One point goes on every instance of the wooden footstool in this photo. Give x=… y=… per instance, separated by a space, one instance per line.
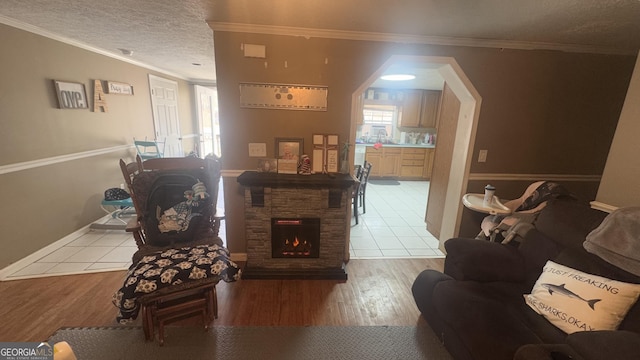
x=172 y=304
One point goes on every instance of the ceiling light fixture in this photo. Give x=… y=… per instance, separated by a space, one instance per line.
x=126 y=52
x=398 y=77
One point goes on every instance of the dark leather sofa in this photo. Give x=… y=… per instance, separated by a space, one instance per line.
x=476 y=306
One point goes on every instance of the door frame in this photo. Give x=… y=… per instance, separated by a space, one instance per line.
x=470 y=102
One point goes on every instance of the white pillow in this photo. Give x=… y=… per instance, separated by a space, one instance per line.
x=576 y=301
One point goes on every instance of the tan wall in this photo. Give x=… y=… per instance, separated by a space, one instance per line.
x=543 y=112
x=44 y=204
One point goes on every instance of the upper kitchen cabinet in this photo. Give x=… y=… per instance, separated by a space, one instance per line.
x=430 y=108
x=420 y=108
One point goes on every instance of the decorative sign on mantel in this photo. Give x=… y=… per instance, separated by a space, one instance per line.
x=71 y=95
x=283 y=97
x=119 y=88
x=325 y=153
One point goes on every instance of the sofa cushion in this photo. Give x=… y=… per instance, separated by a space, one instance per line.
x=483 y=318
x=576 y=301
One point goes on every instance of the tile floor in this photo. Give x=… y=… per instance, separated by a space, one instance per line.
x=95 y=250
x=393 y=226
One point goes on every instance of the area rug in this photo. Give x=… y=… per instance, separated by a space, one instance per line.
x=225 y=342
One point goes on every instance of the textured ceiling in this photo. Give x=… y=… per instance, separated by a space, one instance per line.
x=172 y=35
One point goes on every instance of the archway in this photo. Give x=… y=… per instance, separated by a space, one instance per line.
x=464 y=132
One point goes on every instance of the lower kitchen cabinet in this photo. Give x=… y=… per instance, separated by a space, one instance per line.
x=408 y=163
x=385 y=162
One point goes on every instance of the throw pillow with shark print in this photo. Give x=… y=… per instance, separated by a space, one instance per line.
x=573 y=300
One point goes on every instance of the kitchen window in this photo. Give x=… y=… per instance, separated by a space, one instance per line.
x=379 y=115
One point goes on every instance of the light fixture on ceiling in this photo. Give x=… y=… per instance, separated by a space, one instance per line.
x=398 y=77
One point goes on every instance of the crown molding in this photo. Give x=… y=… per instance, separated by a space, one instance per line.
x=53 y=36
x=411 y=39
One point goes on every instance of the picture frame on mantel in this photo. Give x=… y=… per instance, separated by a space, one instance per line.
x=288 y=152
x=71 y=95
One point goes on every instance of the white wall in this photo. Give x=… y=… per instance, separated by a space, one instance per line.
x=620 y=185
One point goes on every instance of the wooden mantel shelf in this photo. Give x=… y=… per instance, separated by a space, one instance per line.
x=273 y=180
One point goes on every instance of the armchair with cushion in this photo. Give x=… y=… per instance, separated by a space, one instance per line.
x=505 y=301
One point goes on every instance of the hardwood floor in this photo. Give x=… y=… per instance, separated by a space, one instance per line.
x=378 y=292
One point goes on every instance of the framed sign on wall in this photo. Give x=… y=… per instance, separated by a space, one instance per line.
x=71 y=95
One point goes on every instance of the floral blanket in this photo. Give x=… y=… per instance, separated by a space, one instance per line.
x=172 y=267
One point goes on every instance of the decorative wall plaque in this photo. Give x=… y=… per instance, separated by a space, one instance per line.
x=284 y=97
x=71 y=95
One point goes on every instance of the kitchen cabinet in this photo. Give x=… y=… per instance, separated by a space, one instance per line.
x=385 y=162
x=412 y=165
x=411 y=108
x=420 y=108
x=408 y=163
x=430 y=109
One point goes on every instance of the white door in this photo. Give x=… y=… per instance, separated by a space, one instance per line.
x=208 y=122
x=164 y=101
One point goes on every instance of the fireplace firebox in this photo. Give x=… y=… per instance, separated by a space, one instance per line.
x=295 y=238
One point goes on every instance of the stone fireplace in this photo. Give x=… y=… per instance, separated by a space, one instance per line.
x=296 y=225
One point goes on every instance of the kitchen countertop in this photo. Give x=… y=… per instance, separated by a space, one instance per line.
x=420 y=146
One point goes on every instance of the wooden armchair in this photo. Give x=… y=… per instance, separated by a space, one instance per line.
x=159 y=287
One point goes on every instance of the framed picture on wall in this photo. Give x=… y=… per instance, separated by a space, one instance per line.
x=71 y=95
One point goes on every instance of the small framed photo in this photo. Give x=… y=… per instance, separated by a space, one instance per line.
x=268 y=165
x=289 y=148
x=71 y=95
x=332 y=140
x=318 y=139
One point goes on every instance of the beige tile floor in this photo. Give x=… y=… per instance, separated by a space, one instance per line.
x=393 y=227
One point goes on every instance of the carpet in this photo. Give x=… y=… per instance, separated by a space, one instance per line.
x=384 y=182
x=226 y=342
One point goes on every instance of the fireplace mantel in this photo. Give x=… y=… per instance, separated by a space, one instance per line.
x=273 y=180
x=323 y=196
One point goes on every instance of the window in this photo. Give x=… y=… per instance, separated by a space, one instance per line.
x=379 y=115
